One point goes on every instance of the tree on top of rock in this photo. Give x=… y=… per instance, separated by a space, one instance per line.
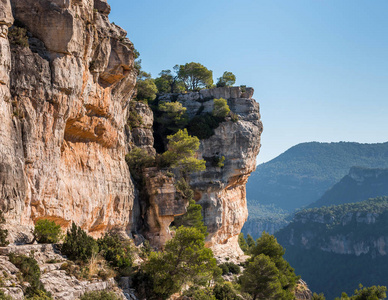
x=195 y=76
x=227 y=79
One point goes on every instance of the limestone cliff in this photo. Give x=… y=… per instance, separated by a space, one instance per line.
x=67 y=119
x=221 y=190
x=63 y=107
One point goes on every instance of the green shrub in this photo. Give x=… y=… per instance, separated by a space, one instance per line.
x=137 y=160
x=30 y=272
x=116 y=252
x=198 y=293
x=229 y=267
x=3 y=232
x=225 y=292
x=99 y=295
x=234 y=117
x=78 y=245
x=47 y=231
x=134 y=119
x=18 y=36
x=221 y=108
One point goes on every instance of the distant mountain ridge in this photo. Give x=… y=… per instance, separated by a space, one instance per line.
x=337 y=247
x=360 y=184
x=304 y=172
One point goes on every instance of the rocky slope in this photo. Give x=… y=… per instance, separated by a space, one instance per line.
x=67 y=80
x=54 y=277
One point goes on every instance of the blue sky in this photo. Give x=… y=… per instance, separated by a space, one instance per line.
x=319 y=67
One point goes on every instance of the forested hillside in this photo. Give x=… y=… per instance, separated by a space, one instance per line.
x=360 y=184
x=303 y=173
x=335 y=248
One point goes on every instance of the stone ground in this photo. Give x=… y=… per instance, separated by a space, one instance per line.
x=55 y=280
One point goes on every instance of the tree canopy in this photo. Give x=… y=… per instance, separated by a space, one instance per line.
x=168 y=82
x=260 y=279
x=146 y=88
x=195 y=76
x=181 y=153
x=221 y=108
x=227 y=79
x=184 y=260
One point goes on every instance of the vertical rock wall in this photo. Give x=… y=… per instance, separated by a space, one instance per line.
x=64 y=102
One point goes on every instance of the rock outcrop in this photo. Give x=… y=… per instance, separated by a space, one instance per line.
x=221 y=190
x=67 y=79
x=63 y=108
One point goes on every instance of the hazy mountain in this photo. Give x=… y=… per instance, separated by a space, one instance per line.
x=360 y=184
x=335 y=248
x=303 y=173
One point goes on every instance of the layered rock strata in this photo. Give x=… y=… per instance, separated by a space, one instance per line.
x=63 y=108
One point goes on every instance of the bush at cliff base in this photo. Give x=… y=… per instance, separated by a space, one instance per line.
x=47 y=231
x=184 y=260
x=78 y=245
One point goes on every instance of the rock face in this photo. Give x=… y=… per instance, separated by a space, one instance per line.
x=67 y=78
x=55 y=280
x=221 y=191
x=63 y=108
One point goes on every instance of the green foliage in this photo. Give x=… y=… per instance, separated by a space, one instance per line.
x=227 y=79
x=167 y=82
x=117 y=252
x=225 y=291
x=99 y=295
x=229 y=267
x=39 y=295
x=181 y=153
x=192 y=218
x=185 y=259
x=47 y=231
x=203 y=126
x=318 y=297
x=199 y=293
x=366 y=293
x=221 y=108
x=195 y=76
x=3 y=232
x=268 y=246
x=250 y=242
x=173 y=117
x=261 y=279
x=78 y=245
x=146 y=88
x=242 y=243
x=18 y=36
x=134 y=118
x=303 y=173
x=137 y=160
x=3 y=296
x=30 y=273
